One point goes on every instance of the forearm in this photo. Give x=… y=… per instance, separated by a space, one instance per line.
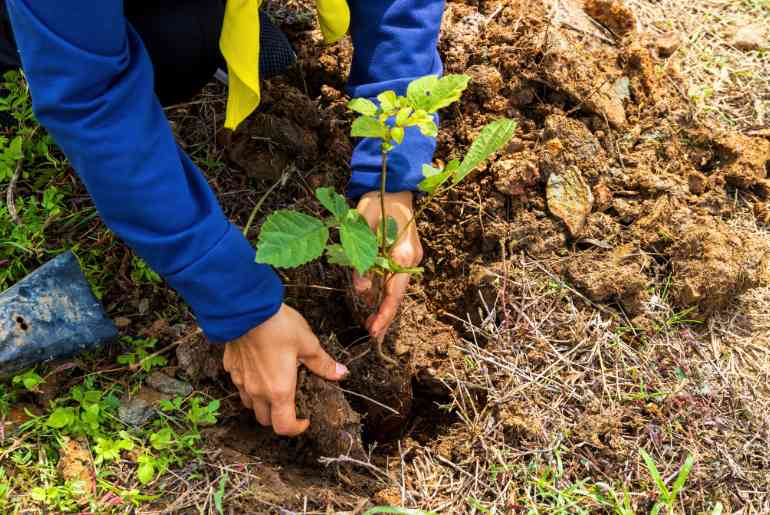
x=395 y=42
x=92 y=88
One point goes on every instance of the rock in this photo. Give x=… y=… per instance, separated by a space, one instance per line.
x=169 y=385
x=570 y=199
x=135 y=412
x=667 y=44
x=622 y=88
x=140 y=408
x=750 y=37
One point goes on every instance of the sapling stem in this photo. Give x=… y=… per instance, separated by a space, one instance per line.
x=383 y=249
x=383 y=185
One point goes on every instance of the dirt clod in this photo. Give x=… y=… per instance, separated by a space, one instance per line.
x=335 y=429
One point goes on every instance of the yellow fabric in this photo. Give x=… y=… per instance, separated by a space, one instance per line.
x=239 y=43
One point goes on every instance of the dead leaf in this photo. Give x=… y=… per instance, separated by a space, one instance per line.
x=75 y=464
x=570 y=198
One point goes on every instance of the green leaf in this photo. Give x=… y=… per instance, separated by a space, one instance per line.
x=61 y=418
x=491 y=139
x=289 y=239
x=397 y=133
x=428 y=128
x=145 y=472
x=663 y=490
x=681 y=477
x=435 y=177
x=335 y=255
x=363 y=106
x=402 y=117
x=358 y=241
x=419 y=90
x=447 y=91
x=333 y=201
x=162 y=439
x=431 y=93
x=369 y=127
x=388 y=101
x=220 y=494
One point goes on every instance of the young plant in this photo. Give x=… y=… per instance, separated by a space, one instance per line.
x=290 y=239
x=667 y=498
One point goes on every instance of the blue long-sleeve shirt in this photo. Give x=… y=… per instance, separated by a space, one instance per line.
x=91 y=81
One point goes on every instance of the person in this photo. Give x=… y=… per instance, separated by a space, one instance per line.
x=99 y=73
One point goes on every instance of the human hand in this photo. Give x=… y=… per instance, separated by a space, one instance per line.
x=263 y=365
x=406 y=252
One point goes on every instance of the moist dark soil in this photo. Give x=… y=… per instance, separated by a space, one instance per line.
x=609 y=178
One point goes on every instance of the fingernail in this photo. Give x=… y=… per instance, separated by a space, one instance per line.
x=341 y=370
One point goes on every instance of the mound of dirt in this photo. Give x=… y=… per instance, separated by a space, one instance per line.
x=610 y=182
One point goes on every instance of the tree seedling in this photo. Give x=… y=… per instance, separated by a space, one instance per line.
x=289 y=238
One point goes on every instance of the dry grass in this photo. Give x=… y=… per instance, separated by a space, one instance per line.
x=571 y=395
x=726 y=84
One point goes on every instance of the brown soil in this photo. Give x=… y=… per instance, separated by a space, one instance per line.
x=650 y=194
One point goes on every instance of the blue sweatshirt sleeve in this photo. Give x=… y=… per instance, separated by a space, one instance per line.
x=395 y=42
x=92 y=87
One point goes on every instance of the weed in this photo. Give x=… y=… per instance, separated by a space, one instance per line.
x=667 y=498
x=140 y=355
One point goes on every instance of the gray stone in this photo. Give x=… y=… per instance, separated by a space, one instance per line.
x=136 y=411
x=169 y=385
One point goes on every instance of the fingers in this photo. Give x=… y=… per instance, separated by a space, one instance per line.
x=262 y=412
x=319 y=362
x=394 y=291
x=283 y=415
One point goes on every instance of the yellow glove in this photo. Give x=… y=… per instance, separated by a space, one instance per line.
x=239 y=43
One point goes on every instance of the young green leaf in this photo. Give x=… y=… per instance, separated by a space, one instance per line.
x=335 y=255
x=653 y=470
x=333 y=201
x=289 y=239
x=419 y=90
x=145 y=472
x=61 y=418
x=369 y=127
x=402 y=117
x=363 y=106
x=433 y=179
x=388 y=101
x=447 y=91
x=681 y=477
x=491 y=139
x=431 y=93
x=358 y=241
x=397 y=133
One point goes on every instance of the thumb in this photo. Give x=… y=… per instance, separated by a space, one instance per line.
x=319 y=362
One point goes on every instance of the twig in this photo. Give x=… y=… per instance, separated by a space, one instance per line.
x=260 y=202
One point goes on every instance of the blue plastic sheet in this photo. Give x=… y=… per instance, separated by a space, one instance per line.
x=50 y=315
